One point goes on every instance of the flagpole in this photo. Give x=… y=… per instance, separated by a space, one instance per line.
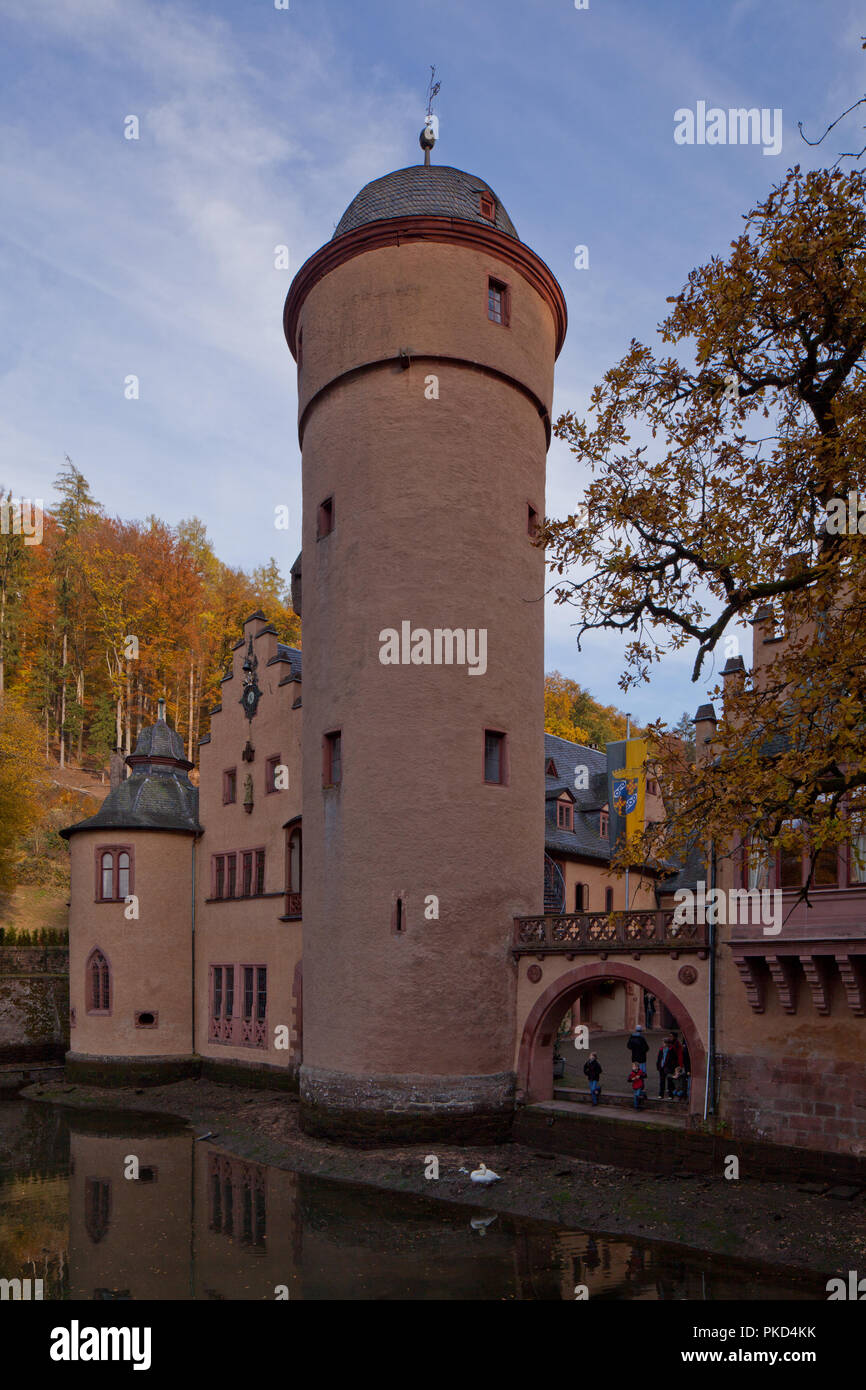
x=627 y=735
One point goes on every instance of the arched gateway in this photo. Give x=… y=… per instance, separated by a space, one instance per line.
x=538 y=1037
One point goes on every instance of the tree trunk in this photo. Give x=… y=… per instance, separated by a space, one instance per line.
x=3 y=637
x=198 y=700
x=128 y=710
x=191 y=728
x=62 y=730
x=79 y=695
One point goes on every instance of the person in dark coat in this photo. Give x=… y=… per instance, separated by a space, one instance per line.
x=592 y=1072
x=639 y=1048
x=666 y=1063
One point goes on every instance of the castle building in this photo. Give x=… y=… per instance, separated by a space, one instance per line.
x=425 y=333
x=351 y=903
x=185 y=909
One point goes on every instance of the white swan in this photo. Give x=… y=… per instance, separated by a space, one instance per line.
x=485 y=1175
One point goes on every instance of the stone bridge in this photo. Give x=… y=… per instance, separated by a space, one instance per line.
x=560 y=957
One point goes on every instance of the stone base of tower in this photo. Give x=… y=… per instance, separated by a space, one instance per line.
x=371 y=1110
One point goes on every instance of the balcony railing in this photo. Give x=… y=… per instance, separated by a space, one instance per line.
x=607 y=931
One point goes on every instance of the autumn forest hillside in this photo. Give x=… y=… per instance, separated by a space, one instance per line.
x=97 y=621
x=100 y=619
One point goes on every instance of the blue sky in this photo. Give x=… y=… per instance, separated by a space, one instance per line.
x=155 y=256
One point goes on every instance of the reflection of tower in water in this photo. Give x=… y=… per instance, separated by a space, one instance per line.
x=195 y=1223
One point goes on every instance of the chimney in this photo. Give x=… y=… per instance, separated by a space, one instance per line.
x=117 y=769
x=705 y=731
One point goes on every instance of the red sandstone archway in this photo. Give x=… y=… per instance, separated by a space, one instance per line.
x=534 y=1064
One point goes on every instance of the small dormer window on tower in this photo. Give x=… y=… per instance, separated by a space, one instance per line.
x=564 y=814
x=486 y=205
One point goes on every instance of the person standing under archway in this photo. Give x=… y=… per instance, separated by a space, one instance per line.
x=638 y=1047
x=666 y=1061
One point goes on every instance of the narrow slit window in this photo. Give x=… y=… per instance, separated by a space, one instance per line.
x=494 y=756
x=326 y=519
x=608 y=900
x=333 y=768
x=398 y=915
x=497 y=302
x=531 y=521
x=230 y=787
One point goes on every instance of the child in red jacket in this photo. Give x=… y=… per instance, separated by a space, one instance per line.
x=637 y=1081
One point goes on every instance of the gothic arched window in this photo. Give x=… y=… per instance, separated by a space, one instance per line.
x=98 y=984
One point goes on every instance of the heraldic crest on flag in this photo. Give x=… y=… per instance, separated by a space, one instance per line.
x=624 y=792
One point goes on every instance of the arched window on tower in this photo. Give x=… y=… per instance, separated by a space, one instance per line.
x=123 y=874
x=108 y=875
x=114 y=873
x=98 y=984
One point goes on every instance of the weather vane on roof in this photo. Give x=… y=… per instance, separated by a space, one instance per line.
x=430 y=134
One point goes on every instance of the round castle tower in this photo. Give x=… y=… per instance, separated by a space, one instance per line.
x=425 y=334
x=130 y=921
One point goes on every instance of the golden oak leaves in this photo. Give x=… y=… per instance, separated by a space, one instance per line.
x=710 y=471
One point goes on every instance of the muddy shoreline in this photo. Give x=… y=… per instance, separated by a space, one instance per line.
x=792 y=1229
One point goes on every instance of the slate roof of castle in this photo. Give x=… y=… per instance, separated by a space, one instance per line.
x=155 y=796
x=584 y=839
x=435 y=190
x=290 y=654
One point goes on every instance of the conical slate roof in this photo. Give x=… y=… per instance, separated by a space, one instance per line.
x=159 y=741
x=157 y=795
x=434 y=190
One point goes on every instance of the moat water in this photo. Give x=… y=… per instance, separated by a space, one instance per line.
x=200 y=1224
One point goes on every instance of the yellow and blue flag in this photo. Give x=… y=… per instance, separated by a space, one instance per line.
x=626 y=790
